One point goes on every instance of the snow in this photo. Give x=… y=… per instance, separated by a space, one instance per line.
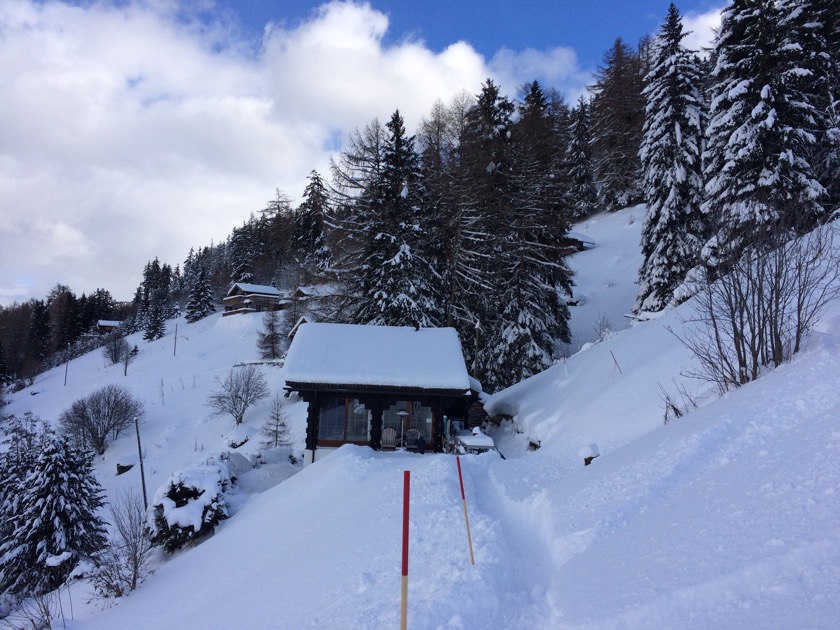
x=428 y=358
x=725 y=517
x=260 y=289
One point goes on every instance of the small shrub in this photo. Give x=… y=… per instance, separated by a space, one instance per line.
x=125 y=562
x=243 y=386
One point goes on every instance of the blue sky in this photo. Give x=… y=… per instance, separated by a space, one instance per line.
x=588 y=26
x=142 y=128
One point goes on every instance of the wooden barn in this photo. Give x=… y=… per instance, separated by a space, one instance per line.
x=377 y=385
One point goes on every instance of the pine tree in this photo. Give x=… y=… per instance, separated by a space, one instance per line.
x=55 y=525
x=485 y=193
x=530 y=273
x=21 y=444
x=275 y=430
x=386 y=270
x=155 y=306
x=758 y=177
x=455 y=232
x=617 y=117
x=269 y=338
x=201 y=302
x=582 y=194
x=811 y=43
x=671 y=155
x=242 y=255
x=309 y=238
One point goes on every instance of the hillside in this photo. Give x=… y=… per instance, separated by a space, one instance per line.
x=724 y=517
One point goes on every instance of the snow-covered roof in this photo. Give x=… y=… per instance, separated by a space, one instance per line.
x=316 y=290
x=109 y=322
x=387 y=356
x=255 y=288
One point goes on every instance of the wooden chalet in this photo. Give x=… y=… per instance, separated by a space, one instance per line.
x=361 y=381
x=104 y=326
x=252 y=298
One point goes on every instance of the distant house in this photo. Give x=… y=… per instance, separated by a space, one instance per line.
x=361 y=380
x=253 y=298
x=104 y=326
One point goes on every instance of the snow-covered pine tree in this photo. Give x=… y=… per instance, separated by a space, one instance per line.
x=811 y=31
x=385 y=271
x=617 y=117
x=20 y=447
x=530 y=271
x=404 y=294
x=201 y=303
x=155 y=306
x=484 y=193
x=582 y=194
x=309 y=238
x=758 y=180
x=56 y=525
x=241 y=255
x=671 y=155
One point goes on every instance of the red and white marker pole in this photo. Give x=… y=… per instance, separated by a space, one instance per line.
x=404 y=597
x=464 y=501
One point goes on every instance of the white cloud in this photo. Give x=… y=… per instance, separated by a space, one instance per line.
x=701 y=28
x=557 y=68
x=131 y=132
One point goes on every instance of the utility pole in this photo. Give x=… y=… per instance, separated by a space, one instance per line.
x=142 y=470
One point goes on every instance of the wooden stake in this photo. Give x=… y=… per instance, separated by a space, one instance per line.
x=616 y=362
x=404 y=585
x=464 y=501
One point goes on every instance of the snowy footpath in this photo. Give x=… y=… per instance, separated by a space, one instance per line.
x=728 y=517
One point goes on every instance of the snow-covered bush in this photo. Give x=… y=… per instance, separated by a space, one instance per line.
x=189 y=505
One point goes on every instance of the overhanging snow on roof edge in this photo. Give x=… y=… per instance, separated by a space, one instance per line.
x=381 y=356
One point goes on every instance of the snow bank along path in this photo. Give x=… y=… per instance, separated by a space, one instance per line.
x=323 y=549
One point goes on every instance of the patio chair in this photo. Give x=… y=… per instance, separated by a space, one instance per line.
x=389 y=439
x=411 y=437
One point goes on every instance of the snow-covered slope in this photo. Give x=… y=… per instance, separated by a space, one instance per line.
x=726 y=517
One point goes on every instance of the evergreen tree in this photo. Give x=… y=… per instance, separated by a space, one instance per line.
x=156 y=306
x=275 y=430
x=811 y=44
x=385 y=270
x=309 y=238
x=39 y=330
x=241 y=255
x=55 y=525
x=671 y=155
x=582 y=194
x=201 y=303
x=617 y=117
x=514 y=197
x=269 y=339
x=5 y=372
x=485 y=194
x=529 y=274
x=455 y=230
x=63 y=308
x=758 y=177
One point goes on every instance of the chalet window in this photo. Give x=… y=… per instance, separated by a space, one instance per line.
x=407 y=414
x=344 y=420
